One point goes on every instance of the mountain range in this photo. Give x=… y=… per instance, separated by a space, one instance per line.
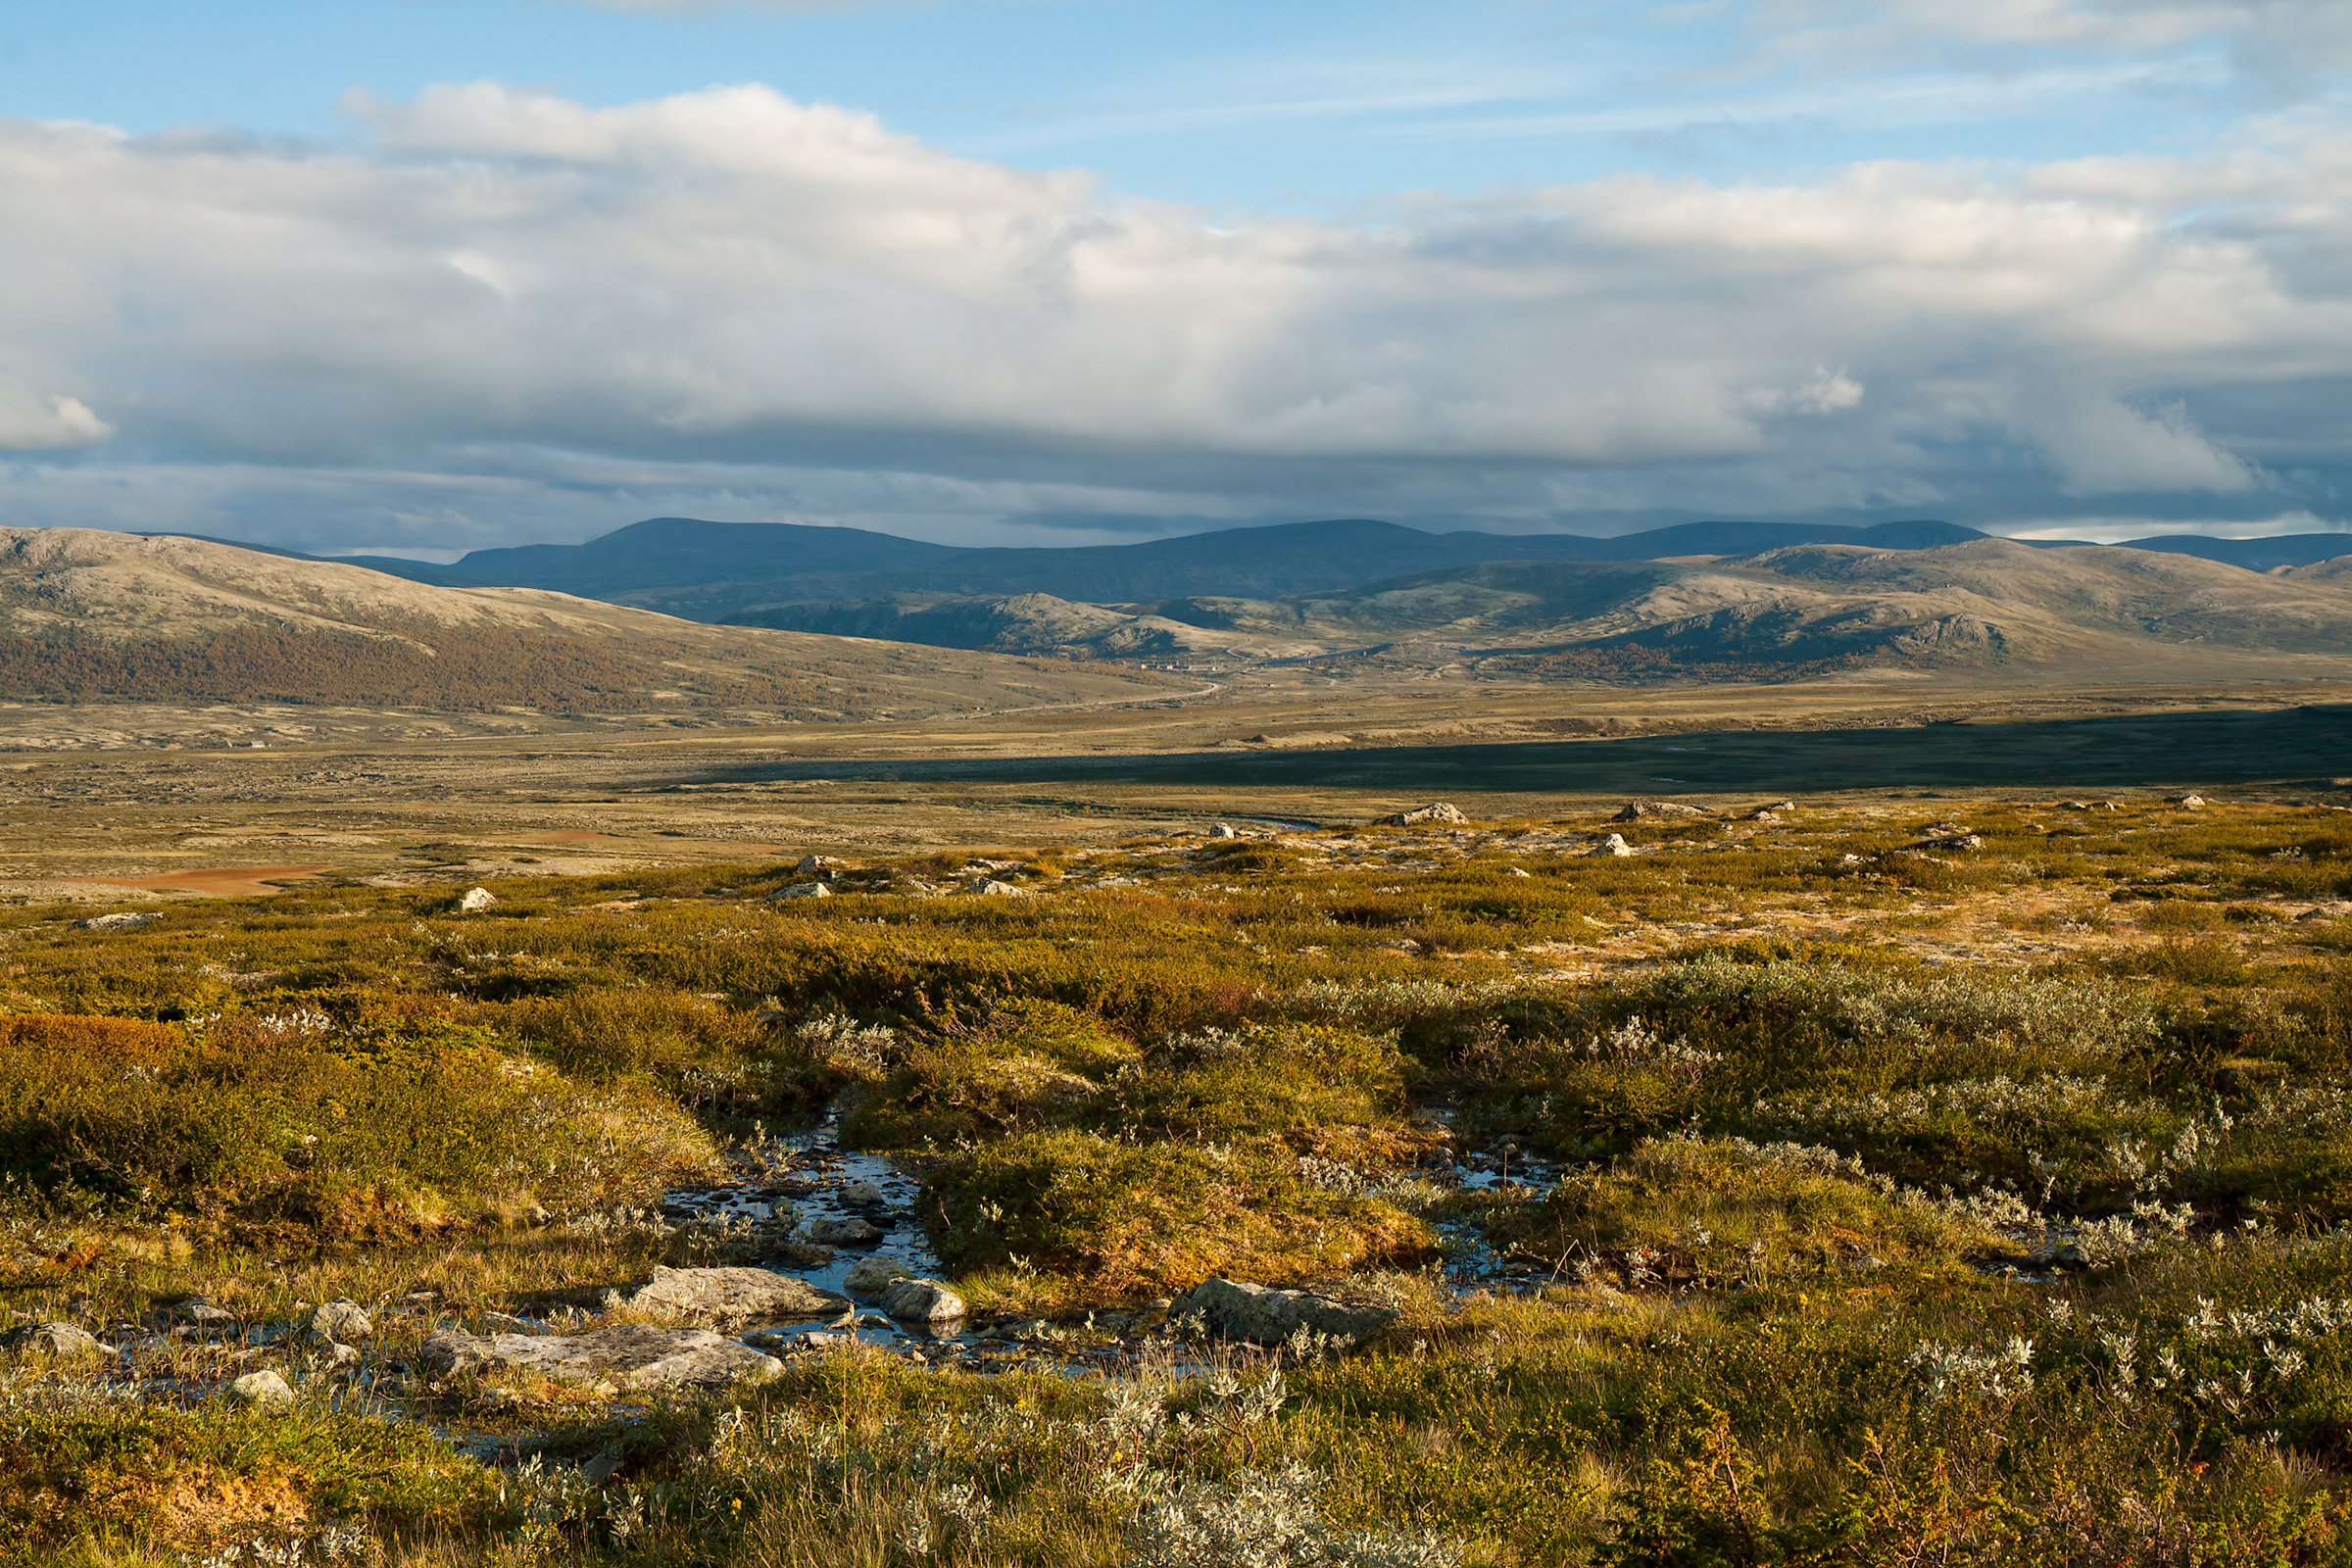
x=789 y=575
x=95 y=616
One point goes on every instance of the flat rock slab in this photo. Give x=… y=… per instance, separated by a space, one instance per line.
x=1235 y=1310
x=630 y=1357
x=732 y=1295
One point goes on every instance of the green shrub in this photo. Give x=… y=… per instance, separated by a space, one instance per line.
x=283 y=1120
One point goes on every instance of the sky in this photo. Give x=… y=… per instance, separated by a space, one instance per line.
x=418 y=277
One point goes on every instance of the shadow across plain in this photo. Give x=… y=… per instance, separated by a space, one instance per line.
x=2156 y=750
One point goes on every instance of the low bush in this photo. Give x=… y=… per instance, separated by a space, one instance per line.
x=282 y=1119
x=1129 y=1220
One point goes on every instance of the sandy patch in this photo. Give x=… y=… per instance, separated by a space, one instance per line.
x=216 y=881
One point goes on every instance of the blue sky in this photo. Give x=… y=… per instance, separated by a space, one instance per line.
x=423 y=275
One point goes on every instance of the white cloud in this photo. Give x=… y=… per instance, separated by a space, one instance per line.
x=728 y=282
x=31 y=423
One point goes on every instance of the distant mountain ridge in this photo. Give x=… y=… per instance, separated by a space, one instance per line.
x=775 y=574
x=1817 y=608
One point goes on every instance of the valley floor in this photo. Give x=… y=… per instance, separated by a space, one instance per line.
x=1860 y=1175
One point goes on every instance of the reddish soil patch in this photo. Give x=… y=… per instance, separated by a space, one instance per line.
x=221 y=881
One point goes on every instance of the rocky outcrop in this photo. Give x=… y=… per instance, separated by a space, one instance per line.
x=127 y=921
x=1433 y=811
x=1655 y=812
x=803 y=890
x=730 y=1295
x=630 y=1357
x=1235 y=1310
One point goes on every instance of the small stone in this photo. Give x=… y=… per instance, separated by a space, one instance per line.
x=476 y=900
x=204 y=1314
x=1222 y=831
x=804 y=890
x=340 y=1320
x=862 y=1195
x=923 y=1302
x=1516 y=871
x=988 y=888
x=263 y=1390
x=342 y=1357
x=59 y=1339
x=869 y=1277
x=852 y=1232
x=127 y=921
x=1433 y=811
x=1614 y=844
x=506 y=1323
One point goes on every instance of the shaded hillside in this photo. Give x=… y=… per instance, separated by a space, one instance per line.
x=90 y=616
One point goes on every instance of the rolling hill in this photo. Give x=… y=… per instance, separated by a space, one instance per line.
x=89 y=617
x=1814 y=607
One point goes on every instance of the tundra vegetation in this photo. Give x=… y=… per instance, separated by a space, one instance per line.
x=1953 y=1181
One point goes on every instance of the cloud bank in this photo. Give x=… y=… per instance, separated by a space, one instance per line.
x=505 y=314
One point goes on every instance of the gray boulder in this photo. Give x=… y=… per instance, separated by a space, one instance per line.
x=923 y=1302
x=343 y=1321
x=804 y=890
x=820 y=866
x=1433 y=811
x=59 y=1339
x=1614 y=844
x=989 y=888
x=629 y=1357
x=474 y=900
x=265 y=1390
x=1235 y=1310
x=730 y=1295
x=862 y=1195
x=851 y=1232
x=127 y=921
x=869 y=1277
